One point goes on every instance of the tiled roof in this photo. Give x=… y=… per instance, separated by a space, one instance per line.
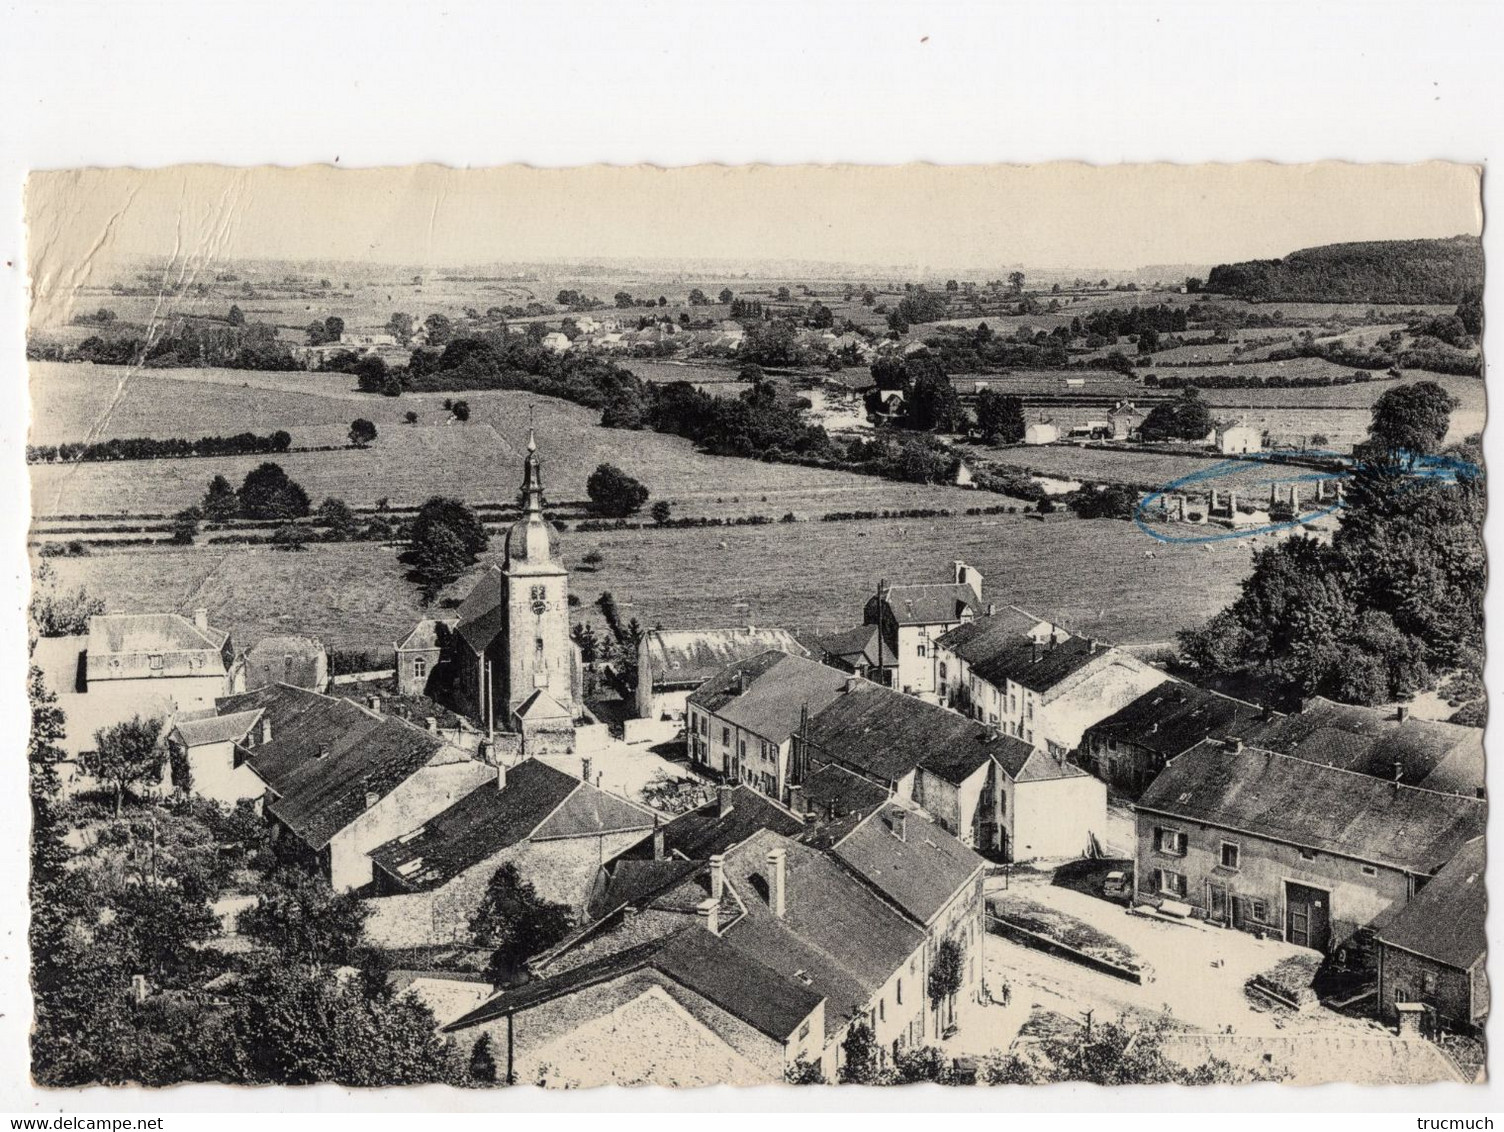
x=124 y=644
x=1445 y=920
x=837 y=800
x=692 y=656
x=703 y=832
x=1303 y=803
x=1373 y=741
x=1036 y=666
x=919 y=872
x=886 y=734
x=703 y=963
x=858 y=645
x=940 y=603
x=217 y=728
x=836 y=936
x=481 y=615
x=980 y=638
x=1174 y=717
x=427 y=635
x=779 y=688
x=327 y=755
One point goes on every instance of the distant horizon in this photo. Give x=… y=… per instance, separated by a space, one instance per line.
x=916 y=220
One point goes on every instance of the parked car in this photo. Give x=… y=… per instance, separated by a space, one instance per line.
x=1115 y=886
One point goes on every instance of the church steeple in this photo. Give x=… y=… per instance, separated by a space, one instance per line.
x=532 y=479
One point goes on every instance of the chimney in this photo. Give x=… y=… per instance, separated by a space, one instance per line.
x=659 y=852
x=723 y=798
x=430 y=723
x=374 y=703
x=266 y=730
x=1033 y=651
x=992 y=609
x=796 y=801
x=1235 y=745
x=898 y=822
x=741 y=682
x=1154 y=728
x=1402 y=712
x=1399 y=770
x=201 y=619
x=717 y=876
x=710 y=912
x=851 y=683
x=501 y=776
x=372 y=798
x=777 y=877
x=585 y=765
x=323 y=752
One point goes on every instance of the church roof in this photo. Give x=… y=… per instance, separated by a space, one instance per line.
x=540 y=705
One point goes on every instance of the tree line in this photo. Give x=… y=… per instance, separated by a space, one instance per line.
x=151 y=448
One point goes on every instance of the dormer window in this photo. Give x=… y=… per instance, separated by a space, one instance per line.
x=156 y=661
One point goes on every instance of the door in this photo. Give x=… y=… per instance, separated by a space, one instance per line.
x=1308 y=917
x=1216 y=903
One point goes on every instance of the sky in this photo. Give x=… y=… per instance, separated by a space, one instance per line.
x=938 y=218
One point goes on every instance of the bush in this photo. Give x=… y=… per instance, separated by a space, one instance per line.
x=614 y=493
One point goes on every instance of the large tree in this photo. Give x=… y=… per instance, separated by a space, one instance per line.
x=446 y=537
x=1411 y=420
x=268 y=493
x=1000 y=417
x=515 y=922
x=304 y=920
x=613 y=492
x=125 y=754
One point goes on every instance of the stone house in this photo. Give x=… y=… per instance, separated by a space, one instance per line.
x=1277 y=845
x=861 y=651
x=211 y=748
x=1433 y=951
x=1124 y=419
x=419 y=654
x=554 y=827
x=300 y=661
x=1238 y=439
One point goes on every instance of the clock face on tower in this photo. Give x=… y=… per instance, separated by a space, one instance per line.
x=539 y=600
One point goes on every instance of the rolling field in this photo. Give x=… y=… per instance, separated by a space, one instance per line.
x=813 y=578
x=479 y=461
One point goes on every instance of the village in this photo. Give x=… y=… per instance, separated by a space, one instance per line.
x=953 y=832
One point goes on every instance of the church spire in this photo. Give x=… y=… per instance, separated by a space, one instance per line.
x=532 y=479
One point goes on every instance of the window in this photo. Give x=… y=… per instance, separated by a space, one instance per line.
x=156 y=662
x=1428 y=982
x=900 y=990
x=420 y=667
x=1013 y=705
x=1029 y=735
x=1029 y=708
x=1230 y=855
x=1308 y=854
x=741 y=748
x=539 y=593
x=538 y=648
x=725 y=736
x=1370 y=871
x=922 y=649
x=942 y=670
x=882 y=1010
x=1112 y=744
x=1259 y=910
x=1171 y=841
x=1171 y=883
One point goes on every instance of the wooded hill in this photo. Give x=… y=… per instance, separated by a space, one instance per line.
x=1380 y=271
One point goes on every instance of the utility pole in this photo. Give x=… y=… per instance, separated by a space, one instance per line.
x=882 y=602
x=1087 y=1016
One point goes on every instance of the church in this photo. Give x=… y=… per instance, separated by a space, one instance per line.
x=510 y=663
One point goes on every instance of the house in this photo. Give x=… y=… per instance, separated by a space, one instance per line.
x=741 y=721
x=1128 y=748
x=342 y=779
x=1433 y=950
x=419 y=654
x=748 y=963
x=861 y=652
x=1015 y=671
x=1041 y=432
x=1238 y=439
x=556 y=342
x=300 y=661
x=207 y=755
x=912 y=617
x=671 y=663
x=134 y=658
x=155 y=665
x=1124 y=419
x=1384 y=742
x=1277 y=845
x=964 y=478
x=554 y=827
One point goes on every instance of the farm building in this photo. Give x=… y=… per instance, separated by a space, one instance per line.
x=211 y=749
x=861 y=652
x=1432 y=951
x=1387 y=743
x=1273 y=844
x=671 y=663
x=556 y=342
x=1125 y=419
x=419 y=653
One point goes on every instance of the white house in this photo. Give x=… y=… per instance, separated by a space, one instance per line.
x=1238 y=439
